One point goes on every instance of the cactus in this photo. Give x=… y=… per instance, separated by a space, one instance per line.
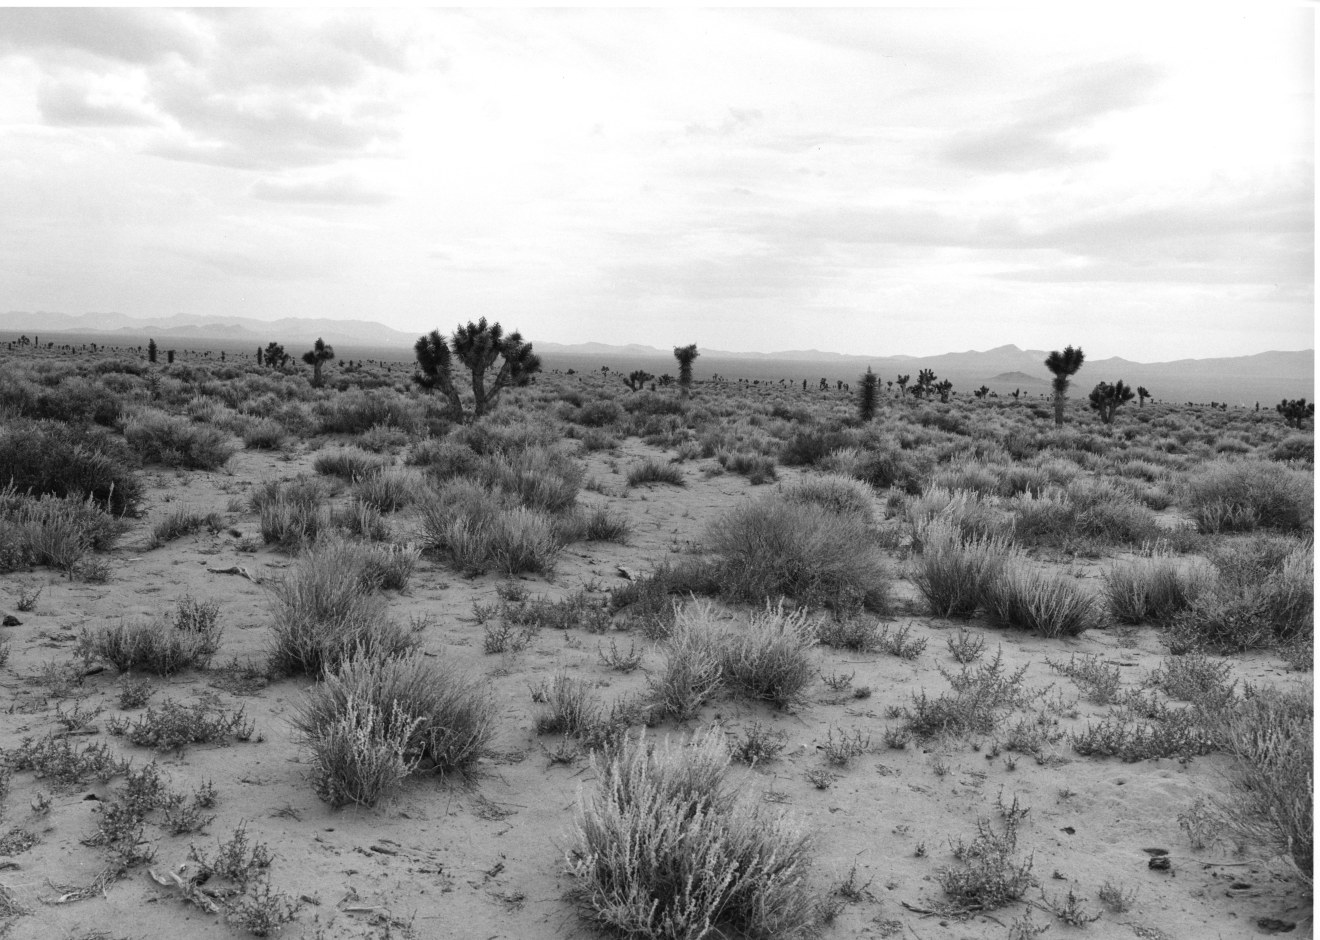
x=315 y=357
x=1064 y=365
x=1106 y=399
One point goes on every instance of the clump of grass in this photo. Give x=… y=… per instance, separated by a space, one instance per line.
x=839 y=494
x=758 y=468
x=663 y=847
x=773 y=548
x=183 y=521
x=954 y=575
x=1027 y=599
x=348 y=463
x=692 y=673
x=856 y=634
x=655 y=471
x=472 y=527
x=769 y=662
x=326 y=609
x=1244 y=495
x=162 y=646
x=1152 y=589
x=388 y=490
x=177 y=442
x=372 y=721
x=292 y=514
x=1271 y=732
x=52 y=530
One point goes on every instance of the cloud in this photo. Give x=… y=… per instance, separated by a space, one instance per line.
x=1044 y=131
x=337 y=191
x=75 y=103
x=134 y=36
x=283 y=266
x=738 y=119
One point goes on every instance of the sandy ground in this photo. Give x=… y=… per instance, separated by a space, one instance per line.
x=482 y=858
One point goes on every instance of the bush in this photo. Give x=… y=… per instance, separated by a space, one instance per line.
x=177 y=442
x=838 y=493
x=443 y=460
x=52 y=531
x=161 y=647
x=663 y=848
x=953 y=575
x=348 y=463
x=1152 y=589
x=326 y=610
x=469 y=524
x=1271 y=732
x=769 y=661
x=1027 y=599
x=542 y=478
x=39 y=458
x=655 y=471
x=773 y=548
x=1240 y=496
x=371 y=721
x=263 y=434
x=388 y=490
x=292 y=514
x=183 y=521
x=809 y=447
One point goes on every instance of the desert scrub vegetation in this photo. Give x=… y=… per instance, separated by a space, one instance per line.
x=662 y=847
x=177 y=442
x=1154 y=587
x=348 y=463
x=773 y=548
x=477 y=531
x=291 y=513
x=181 y=522
x=1244 y=495
x=655 y=471
x=188 y=639
x=838 y=493
x=1261 y=596
x=1027 y=598
x=327 y=609
x=981 y=695
x=953 y=574
x=40 y=458
x=371 y=721
x=52 y=530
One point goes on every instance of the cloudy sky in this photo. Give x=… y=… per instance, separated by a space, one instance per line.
x=876 y=181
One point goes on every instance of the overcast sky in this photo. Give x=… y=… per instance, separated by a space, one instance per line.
x=873 y=181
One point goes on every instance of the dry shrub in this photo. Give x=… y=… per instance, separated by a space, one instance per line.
x=663 y=848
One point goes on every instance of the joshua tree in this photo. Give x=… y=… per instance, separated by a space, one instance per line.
x=1064 y=365
x=925 y=382
x=169 y=356
x=434 y=372
x=151 y=350
x=902 y=384
x=944 y=389
x=478 y=346
x=319 y=353
x=259 y=362
x=1142 y=395
x=981 y=392
x=637 y=378
x=685 y=356
x=1106 y=399
x=276 y=357
x=866 y=398
x=1295 y=412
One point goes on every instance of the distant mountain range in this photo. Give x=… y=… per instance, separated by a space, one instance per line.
x=1264 y=377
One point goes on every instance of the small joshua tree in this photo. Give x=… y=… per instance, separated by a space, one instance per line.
x=315 y=357
x=867 y=395
x=276 y=357
x=259 y=362
x=1064 y=365
x=982 y=391
x=151 y=350
x=902 y=384
x=1296 y=412
x=638 y=378
x=925 y=382
x=1142 y=395
x=478 y=347
x=944 y=389
x=1106 y=399
x=685 y=356
x=169 y=356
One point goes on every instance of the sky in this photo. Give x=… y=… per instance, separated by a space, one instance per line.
x=1139 y=182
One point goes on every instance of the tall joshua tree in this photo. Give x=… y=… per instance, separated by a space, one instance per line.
x=1142 y=395
x=902 y=385
x=151 y=350
x=319 y=354
x=685 y=356
x=1064 y=365
x=866 y=397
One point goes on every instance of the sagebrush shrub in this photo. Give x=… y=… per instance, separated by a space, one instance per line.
x=954 y=575
x=371 y=721
x=39 y=458
x=326 y=610
x=773 y=548
x=663 y=848
x=769 y=661
x=160 y=647
x=836 y=492
x=177 y=442
x=1243 y=495
x=1028 y=599
x=1153 y=589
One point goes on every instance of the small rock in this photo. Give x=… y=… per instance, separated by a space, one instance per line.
x=1160 y=863
x=1274 y=925
x=12 y=621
